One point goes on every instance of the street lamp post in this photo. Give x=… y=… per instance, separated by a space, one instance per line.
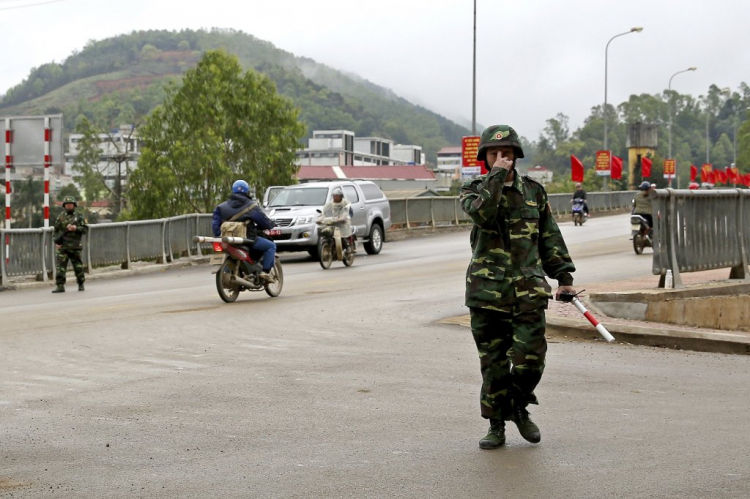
x=669 y=128
x=474 y=78
x=636 y=29
x=606 y=60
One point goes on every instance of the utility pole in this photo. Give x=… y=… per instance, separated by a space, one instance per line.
x=474 y=79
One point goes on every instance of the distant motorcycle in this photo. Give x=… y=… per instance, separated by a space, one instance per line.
x=239 y=269
x=641 y=232
x=333 y=246
x=579 y=216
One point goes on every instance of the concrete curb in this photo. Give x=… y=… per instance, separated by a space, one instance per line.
x=114 y=274
x=655 y=336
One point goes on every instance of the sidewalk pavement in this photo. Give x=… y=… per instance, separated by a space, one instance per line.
x=564 y=321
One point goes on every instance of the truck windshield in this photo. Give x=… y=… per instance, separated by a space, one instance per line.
x=314 y=196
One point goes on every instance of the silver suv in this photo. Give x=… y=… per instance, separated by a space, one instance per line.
x=294 y=209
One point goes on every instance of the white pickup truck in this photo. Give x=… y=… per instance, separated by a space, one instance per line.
x=294 y=209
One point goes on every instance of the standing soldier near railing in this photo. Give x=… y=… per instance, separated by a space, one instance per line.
x=69 y=230
x=515 y=240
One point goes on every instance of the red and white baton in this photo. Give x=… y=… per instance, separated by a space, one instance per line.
x=600 y=328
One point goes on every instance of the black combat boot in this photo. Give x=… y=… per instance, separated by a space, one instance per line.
x=526 y=426
x=80 y=287
x=495 y=437
x=59 y=289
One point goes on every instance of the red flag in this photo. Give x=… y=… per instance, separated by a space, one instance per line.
x=721 y=177
x=711 y=177
x=616 y=168
x=733 y=174
x=705 y=170
x=646 y=167
x=746 y=180
x=693 y=172
x=576 y=169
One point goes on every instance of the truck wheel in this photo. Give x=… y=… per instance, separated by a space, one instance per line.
x=375 y=243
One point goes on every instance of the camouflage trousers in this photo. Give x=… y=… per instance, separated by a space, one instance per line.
x=512 y=349
x=61 y=265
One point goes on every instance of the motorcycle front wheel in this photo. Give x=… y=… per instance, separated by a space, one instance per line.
x=326 y=253
x=273 y=289
x=227 y=291
x=349 y=257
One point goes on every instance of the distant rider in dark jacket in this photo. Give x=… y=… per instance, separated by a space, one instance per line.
x=238 y=201
x=580 y=193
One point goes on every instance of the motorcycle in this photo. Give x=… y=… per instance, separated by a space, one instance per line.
x=239 y=269
x=579 y=217
x=641 y=232
x=332 y=246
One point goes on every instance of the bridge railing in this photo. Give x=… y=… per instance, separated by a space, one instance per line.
x=31 y=251
x=700 y=230
x=444 y=210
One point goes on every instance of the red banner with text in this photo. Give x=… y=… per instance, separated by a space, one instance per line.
x=603 y=163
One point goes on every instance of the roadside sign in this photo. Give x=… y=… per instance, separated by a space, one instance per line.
x=670 y=166
x=604 y=163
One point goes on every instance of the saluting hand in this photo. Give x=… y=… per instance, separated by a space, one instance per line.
x=504 y=163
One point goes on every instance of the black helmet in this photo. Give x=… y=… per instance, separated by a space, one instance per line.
x=497 y=136
x=645 y=185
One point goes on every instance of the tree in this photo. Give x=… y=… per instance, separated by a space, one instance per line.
x=220 y=125
x=86 y=164
x=743 y=147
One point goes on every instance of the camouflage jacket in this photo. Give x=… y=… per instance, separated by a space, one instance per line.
x=515 y=241
x=70 y=240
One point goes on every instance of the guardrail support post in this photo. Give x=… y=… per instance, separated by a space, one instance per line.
x=89 y=264
x=164 y=242
x=432 y=211
x=199 y=251
x=187 y=235
x=44 y=255
x=740 y=271
x=127 y=244
x=3 y=275
x=672 y=229
x=455 y=209
x=406 y=209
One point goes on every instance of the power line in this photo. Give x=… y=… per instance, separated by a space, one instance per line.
x=30 y=5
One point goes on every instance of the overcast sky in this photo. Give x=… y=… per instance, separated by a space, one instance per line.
x=535 y=58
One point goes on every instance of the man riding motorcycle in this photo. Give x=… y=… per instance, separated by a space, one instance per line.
x=580 y=193
x=642 y=204
x=240 y=201
x=339 y=209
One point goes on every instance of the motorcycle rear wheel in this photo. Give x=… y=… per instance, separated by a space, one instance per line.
x=227 y=291
x=273 y=289
x=638 y=244
x=326 y=253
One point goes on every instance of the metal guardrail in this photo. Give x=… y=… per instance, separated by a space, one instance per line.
x=32 y=250
x=446 y=210
x=700 y=230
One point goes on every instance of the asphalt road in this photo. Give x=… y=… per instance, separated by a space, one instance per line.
x=347 y=386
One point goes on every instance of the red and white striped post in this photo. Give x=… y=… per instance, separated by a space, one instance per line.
x=47 y=163
x=8 y=191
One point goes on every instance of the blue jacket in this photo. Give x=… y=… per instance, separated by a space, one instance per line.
x=235 y=204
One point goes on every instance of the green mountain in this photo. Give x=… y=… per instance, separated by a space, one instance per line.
x=120 y=80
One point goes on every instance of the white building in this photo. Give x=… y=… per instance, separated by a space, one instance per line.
x=342 y=148
x=541 y=174
x=120 y=151
x=410 y=154
x=448 y=168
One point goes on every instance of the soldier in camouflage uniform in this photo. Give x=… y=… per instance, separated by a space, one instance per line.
x=515 y=241
x=69 y=230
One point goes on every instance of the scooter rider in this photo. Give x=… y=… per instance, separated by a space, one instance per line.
x=339 y=209
x=237 y=202
x=580 y=193
x=642 y=204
